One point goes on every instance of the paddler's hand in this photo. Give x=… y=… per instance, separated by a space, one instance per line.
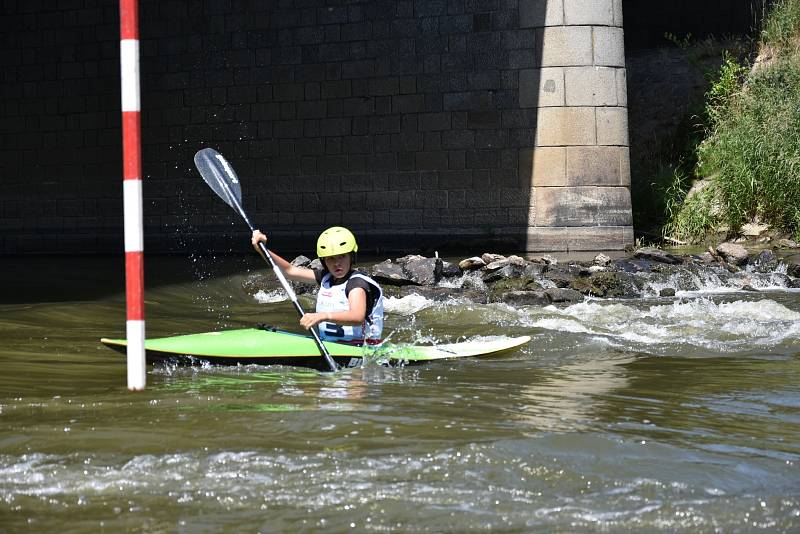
x=312 y=319
x=257 y=238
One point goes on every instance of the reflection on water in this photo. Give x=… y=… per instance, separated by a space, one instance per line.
x=567 y=401
x=646 y=415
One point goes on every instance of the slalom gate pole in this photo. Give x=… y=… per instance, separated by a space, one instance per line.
x=132 y=191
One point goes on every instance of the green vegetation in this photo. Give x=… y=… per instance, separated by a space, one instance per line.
x=750 y=157
x=781 y=27
x=690 y=217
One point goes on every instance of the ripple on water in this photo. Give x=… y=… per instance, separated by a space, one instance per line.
x=556 y=479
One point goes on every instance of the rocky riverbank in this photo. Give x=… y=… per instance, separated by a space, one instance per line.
x=541 y=280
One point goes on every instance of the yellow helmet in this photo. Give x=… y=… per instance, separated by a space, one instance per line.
x=336 y=240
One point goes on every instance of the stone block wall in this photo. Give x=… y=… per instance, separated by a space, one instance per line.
x=397 y=118
x=647 y=23
x=60 y=138
x=410 y=120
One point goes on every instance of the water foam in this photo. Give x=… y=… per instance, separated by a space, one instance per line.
x=695 y=319
x=468 y=280
x=268 y=297
x=700 y=322
x=407 y=305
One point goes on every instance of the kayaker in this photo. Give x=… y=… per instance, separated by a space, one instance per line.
x=349 y=303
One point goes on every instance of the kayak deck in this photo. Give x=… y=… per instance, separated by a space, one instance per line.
x=274 y=347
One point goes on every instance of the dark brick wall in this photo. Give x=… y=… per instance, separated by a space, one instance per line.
x=397 y=118
x=59 y=125
x=647 y=21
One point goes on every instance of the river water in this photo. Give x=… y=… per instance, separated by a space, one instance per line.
x=647 y=415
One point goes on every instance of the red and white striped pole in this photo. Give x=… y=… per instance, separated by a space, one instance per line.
x=132 y=191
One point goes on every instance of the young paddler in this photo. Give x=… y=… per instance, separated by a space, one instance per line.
x=349 y=303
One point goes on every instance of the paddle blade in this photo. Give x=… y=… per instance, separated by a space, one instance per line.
x=220 y=176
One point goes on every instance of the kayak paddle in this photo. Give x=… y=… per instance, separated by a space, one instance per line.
x=220 y=176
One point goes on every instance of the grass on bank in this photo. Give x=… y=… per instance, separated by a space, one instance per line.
x=750 y=157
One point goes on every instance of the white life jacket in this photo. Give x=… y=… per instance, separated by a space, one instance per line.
x=332 y=298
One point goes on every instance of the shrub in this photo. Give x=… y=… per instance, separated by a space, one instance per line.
x=690 y=216
x=754 y=150
x=781 y=26
x=752 y=145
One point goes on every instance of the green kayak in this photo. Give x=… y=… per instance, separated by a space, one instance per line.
x=276 y=347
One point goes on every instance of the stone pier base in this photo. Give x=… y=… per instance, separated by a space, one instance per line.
x=579 y=168
x=578 y=238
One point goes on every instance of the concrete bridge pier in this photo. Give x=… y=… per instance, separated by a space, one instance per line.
x=579 y=169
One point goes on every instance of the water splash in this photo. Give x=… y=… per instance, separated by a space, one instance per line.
x=702 y=322
x=694 y=282
x=468 y=280
x=407 y=305
x=268 y=297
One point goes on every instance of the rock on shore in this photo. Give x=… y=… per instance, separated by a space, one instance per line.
x=646 y=272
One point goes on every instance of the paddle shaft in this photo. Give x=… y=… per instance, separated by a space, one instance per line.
x=234 y=202
x=293 y=297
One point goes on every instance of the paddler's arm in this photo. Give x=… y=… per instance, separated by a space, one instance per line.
x=357 y=299
x=292 y=272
